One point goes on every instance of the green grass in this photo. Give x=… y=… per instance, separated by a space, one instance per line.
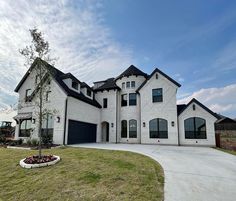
x=227 y=151
x=82 y=174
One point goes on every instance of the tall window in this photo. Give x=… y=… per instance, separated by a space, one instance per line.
x=195 y=128
x=124 y=100
x=132 y=84
x=132 y=128
x=127 y=85
x=37 y=79
x=104 y=102
x=47 y=124
x=158 y=128
x=124 y=129
x=157 y=95
x=25 y=128
x=123 y=85
x=27 y=95
x=89 y=93
x=132 y=99
x=75 y=85
x=48 y=95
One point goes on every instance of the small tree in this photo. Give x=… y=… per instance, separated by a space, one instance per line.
x=39 y=49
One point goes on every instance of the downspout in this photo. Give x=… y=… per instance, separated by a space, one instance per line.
x=65 y=122
x=116 y=115
x=178 y=129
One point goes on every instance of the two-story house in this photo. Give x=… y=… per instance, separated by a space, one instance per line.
x=133 y=107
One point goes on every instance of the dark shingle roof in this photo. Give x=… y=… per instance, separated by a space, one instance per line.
x=108 y=85
x=201 y=105
x=180 y=108
x=156 y=70
x=132 y=70
x=58 y=76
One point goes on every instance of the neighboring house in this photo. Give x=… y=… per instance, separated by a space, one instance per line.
x=134 y=107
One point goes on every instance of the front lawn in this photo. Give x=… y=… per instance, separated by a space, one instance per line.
x=82 y=174
x=227 y=151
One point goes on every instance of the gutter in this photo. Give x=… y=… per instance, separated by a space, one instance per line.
x=65 y=121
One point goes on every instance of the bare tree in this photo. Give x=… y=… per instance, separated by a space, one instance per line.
x=39 y=49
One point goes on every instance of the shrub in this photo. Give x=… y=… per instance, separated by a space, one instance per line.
x=20 y=141
x=2 y=140
x=47 y=138
x=28 y=142
x=34 y=142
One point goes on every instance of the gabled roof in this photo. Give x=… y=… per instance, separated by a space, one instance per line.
x=201 y=105
x=180 y=108
x=132 y=70
x=156 y=70
x=84 y=85
x=108 y=85
x=58 y=76
x=69 y=75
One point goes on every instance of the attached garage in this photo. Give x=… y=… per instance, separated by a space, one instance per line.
x=81 y=132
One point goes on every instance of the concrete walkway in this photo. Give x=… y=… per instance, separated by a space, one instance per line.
x=191 y=173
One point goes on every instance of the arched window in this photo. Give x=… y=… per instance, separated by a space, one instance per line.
x=195 y=128
x=124 y=129
x=158 y=128
x=132 y=128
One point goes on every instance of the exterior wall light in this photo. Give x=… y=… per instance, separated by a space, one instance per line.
x=194 y=107
x=58 y=119
x=112 y=125
x=144 y=124
x=33 y=121
x=173 y=123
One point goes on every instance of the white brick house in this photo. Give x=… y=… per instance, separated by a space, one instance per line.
x=134 y=107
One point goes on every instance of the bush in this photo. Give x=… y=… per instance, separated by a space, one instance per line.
x=28 y=142
x=34 y=142
x=2 y=140
x=20 y=141
x=47 y=139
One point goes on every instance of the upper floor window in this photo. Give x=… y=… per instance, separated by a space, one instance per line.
x=37 y=79
x=132 y=99
x=123 y=85
x=158 y=128
x=124 y=129
x=75 y=85
x=27 y=95
x=157 y=95
x=132 y=84
x=104 y=102
x=89 y=93
x=195 y=128
x=127 y=85
x=124 y=100
x=132 y=128
x=48 y=95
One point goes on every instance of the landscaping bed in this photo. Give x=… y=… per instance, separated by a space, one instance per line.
x=82 y=174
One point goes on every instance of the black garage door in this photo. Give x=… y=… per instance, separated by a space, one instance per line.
x=81 y=132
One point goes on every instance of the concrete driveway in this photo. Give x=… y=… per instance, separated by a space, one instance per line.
x=191 y=173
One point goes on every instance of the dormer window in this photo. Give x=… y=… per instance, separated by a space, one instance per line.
x=132 y=84
x=89 y=93
x=123 y=85
x=75 y=85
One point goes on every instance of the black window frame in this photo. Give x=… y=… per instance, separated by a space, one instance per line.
x=158 y=133
x=123 y=101
x=27 y=96
x=124 y=129
x=105 y=102
x=132 y=84
x=128 y=85
x=123 y=85
x=75 y=85
x=89 y=92
x=132 y=102
x=133 y=134
x=25 y=132
x=155 y=97
x=195 y=133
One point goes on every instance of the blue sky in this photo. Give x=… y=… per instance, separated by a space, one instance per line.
x=192 y=41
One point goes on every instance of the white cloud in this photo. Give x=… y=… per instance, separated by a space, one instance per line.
x=220 y=100
x=75 y=31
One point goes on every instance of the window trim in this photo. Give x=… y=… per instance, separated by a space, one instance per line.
x=47 y=96
x=123 y=85
x=195 y=132
x=128 y=85
x=27 y=131
x=122 y=129
x=135 y=127
x=130 y=103
x=132 y=86
x=158 y=129
x=105 y=101
x=75 y=85
x=124 y=105
x=88 y=91
x=161 y=97
x=27 y=97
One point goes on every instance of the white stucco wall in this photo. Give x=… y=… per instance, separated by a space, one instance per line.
x=165 y=110
x=56 y=102
x=129 y=112
x=80 y=111
x=210 y=128
x=108 y=114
